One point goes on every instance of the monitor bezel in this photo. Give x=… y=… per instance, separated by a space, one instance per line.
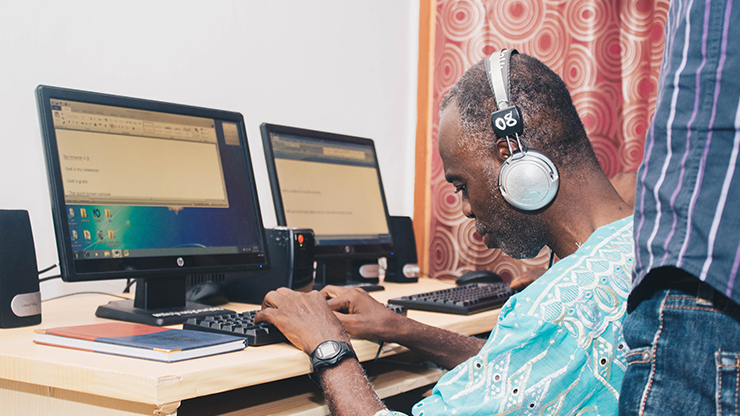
x=142 y=267
x=346 y=251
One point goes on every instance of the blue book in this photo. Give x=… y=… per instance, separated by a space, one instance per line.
x=140 y=341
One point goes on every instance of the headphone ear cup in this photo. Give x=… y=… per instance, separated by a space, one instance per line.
x=528 y=180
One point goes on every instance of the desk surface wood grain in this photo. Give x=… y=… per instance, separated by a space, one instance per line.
x=159 y=384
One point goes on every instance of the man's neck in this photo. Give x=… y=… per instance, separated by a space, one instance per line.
x=573 y=220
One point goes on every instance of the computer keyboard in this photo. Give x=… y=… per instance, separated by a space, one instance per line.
x=242 y=324
x=239 y=324
x=367 y=287
x=462 y=300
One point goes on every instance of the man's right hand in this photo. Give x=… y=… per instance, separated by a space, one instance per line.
x=363 y=316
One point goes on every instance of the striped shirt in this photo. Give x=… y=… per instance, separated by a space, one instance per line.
x=687 y=205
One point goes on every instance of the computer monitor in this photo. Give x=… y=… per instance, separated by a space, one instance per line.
x=152 y=191
x=330 y=183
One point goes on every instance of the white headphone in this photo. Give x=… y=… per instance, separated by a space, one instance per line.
x=528 y=179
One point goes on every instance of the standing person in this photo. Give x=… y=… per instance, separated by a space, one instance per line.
x=557 y=347
x=683 y=328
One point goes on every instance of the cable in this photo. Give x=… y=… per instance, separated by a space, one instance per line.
x=372 y=366
x=85 y=293
x=47 y=269
x=56 y=276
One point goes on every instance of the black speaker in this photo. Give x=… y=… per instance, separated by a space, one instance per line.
x=403 y=265
x=20 y=298
x=291 y=252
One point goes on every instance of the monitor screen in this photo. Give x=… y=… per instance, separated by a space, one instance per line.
x=330 y=183
x=145 y=189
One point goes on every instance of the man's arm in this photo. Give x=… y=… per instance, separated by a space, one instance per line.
x=306 y=320
x=347 y=391
x=366 y=318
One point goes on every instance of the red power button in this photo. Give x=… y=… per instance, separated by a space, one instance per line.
x=300 y=238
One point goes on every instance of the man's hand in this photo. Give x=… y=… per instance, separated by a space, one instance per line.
x=361 y=315
x=304 y=318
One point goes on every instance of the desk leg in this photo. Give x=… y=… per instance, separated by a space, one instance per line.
x=23 y=399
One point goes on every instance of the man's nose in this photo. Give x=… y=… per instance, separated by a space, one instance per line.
x=466 y=209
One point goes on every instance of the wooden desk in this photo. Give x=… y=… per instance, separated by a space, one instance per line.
x=44 y=380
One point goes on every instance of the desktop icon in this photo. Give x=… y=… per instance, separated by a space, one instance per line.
x=74 y=234
x=83 y=213
x=71 y=213
x=96 y=213
x=111 y=235
x=101 y=236
x=107 y=213
x=87 y=235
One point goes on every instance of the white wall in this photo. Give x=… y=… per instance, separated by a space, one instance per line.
x=334 y=65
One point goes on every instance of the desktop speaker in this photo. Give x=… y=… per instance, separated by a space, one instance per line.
x=291 y=252
x=20 y=298
x=402 y=264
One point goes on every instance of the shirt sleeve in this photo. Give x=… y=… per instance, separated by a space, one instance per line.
x=530 y=365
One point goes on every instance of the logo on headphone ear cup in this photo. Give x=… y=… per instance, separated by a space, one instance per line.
x=528 y=180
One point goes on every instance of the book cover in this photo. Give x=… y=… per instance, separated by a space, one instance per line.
x=140 y=341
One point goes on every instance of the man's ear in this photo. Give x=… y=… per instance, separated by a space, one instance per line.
x=502 y=149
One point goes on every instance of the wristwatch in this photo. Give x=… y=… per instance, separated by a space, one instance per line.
x=329 y=354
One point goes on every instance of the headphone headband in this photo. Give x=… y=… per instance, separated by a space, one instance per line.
x=498 y=76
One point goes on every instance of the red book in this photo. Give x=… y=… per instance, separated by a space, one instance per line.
x=140 y=341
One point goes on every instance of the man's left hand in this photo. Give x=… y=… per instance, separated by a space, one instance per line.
x=304 y=318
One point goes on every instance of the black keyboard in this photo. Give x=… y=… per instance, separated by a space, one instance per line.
x=367 y=287
x=239 y=324
x=242 y=325
x=461 y=300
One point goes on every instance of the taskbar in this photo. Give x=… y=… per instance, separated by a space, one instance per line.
x=161 y=252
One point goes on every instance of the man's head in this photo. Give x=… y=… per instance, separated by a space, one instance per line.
x=472 y=154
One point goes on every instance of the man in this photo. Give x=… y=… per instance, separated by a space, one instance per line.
x=557 y=345
x=683 y=328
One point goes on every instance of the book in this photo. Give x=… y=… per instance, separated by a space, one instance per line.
x=140 y=341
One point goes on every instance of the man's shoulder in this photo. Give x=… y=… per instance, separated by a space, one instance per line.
x=599 y=271
x=612 y=244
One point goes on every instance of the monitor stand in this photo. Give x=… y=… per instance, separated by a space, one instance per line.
x=158 y=301
x=345 y=272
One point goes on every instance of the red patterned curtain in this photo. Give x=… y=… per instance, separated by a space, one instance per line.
x=607 y=51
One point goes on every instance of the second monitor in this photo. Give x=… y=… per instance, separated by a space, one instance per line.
x=330 y=183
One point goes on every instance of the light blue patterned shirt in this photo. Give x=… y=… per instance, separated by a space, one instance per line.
x=557 y=348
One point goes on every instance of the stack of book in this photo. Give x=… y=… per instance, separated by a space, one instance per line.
x=140 y=341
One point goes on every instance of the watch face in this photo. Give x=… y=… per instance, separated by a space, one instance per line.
x=327 y=350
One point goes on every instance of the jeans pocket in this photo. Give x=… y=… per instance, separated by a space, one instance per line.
x=636 y=380
x=728 y=382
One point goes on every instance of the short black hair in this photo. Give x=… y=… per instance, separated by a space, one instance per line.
x=551 y=122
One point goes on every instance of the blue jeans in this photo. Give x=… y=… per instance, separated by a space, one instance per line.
x=684 y=350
